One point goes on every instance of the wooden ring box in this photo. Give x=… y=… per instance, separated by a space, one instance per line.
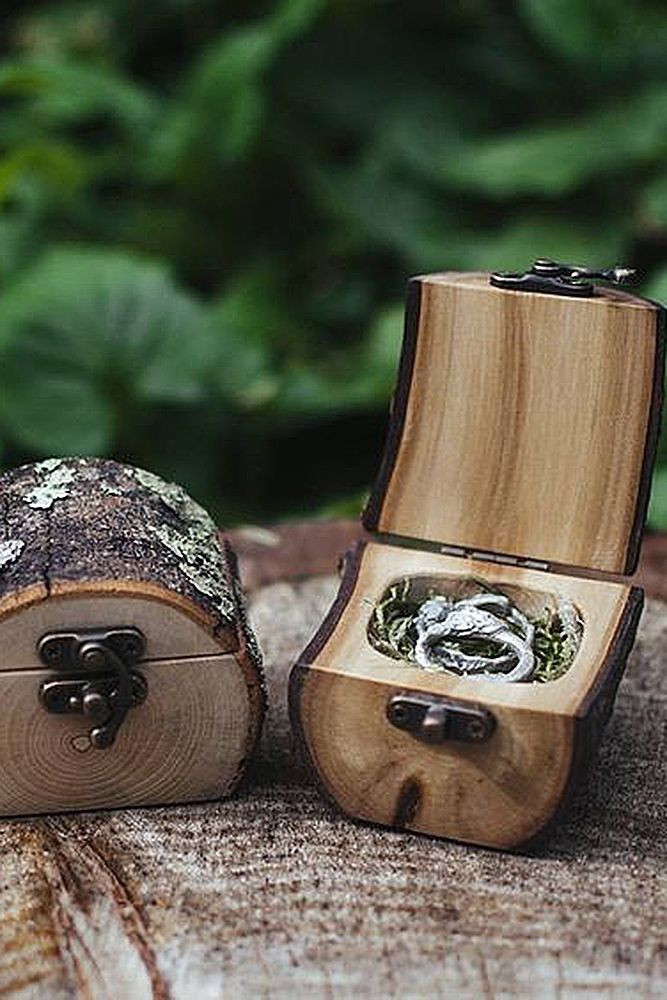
x=115 y=583
x=520 y=450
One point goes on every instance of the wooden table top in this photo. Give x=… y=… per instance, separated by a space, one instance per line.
x=274 y=893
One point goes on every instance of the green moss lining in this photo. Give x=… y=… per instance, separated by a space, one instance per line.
x=558 y=630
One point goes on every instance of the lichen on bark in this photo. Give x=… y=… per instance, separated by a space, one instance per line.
x=95 y=519
x=10 y=549
x=193 y=539
x=52 y=485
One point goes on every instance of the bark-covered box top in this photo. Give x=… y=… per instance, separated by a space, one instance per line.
x=85 y=520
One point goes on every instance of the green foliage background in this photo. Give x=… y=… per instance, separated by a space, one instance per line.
x=208 y=213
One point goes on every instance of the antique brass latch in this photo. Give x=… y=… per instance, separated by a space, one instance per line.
x=95 y=677
x=433 y=720
x=555 y=278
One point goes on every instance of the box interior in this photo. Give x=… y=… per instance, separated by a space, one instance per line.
x=415 y=589
x=343 y=647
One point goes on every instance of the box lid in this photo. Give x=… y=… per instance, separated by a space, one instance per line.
x=92 y=542
x=523 y=424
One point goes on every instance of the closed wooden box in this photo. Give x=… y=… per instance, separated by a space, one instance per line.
x=519 y=455
x=128 y=671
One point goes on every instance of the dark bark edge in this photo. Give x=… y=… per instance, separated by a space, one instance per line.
x=299 y=672
x=651 y=446
x=593 y=716
x=373 y=510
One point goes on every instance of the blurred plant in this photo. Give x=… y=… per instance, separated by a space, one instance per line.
x=207 y=215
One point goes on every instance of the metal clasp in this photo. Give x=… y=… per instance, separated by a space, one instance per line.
x=559 y=279
x=434 y=720
x=95 y=677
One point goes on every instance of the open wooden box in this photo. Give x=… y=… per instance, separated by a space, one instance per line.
x=520 y=450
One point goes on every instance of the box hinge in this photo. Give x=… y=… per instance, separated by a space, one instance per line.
x=494 y=557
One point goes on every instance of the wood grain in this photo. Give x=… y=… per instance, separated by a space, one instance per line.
x=501 y=793
x=273 y=893
x=188 y=741
x=498 y=794
x=92 y=607
x=601 y=603
x=521 y=423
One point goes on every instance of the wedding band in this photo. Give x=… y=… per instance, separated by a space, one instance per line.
x=442 y=623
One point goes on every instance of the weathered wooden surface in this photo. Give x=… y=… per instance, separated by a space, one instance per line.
x=275 y=894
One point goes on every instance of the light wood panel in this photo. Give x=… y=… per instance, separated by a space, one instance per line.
x=499 y=793
x=164 y=620
x=521 y=423
x=187 y=741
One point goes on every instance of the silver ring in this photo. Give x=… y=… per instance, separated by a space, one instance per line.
x=443 y=626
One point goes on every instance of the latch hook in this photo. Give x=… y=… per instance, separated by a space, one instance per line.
x=103 y=686
x=556 y=278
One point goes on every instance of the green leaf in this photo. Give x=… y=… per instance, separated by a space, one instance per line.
x=91 y=331
x=106 y=313
x=227 y=91
x=345 y=147
x=653 y=201
x=415 y=225
x=361 y=378
x=59 y=92
x=575 y=30
x=223 y=104
x=656 y=288
x=82 y=26
x=429 y=234
x=58 y=164
x=657 y=513
x=17 y=241
x=552 y=160
x=517 y=244
x=247 y=319
x=345 y=506
x=380 y=354
x=53 y=413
